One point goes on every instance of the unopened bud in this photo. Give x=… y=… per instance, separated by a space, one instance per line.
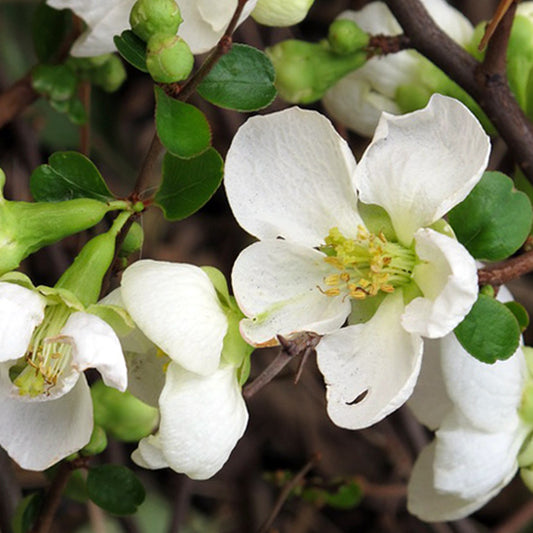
x=169 y=58
x=346 y=37
x=109 y=76
x=150 y=17
x=133 y=241
x=281 y=12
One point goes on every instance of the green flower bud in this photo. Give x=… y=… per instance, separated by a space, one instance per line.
x=85 y=276
x=149 y=17
x=121 y=414
x=109 y=76
x=169 y=58
x=56 y=82
x=346 y=37
x=97 y=444
x=281 y=12
x=412 y=97
x=527 y=477
x=305 y=71
x=133 y=241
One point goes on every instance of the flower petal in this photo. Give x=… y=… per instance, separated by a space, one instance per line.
x=448 y=280
x=431 y=505
x=149 y=454
x=275 y=283
x=175 y=305
x=202 y=418
x=38 y=434
x=487 y=395
x=471 y=463
x=420 y=165
x=370 y=369
x=289 y=174
x=430 y=402
x=95 y=345
x=21 y=310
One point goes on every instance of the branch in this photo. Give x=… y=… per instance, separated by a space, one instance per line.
x=380 y=45
x=508 y=270
x=17 y=98
x=302 y=344
x=489 y=89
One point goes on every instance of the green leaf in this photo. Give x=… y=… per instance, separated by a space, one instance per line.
x=26 y=512
x=519 y=313
x=490 y=332
x=188 y=183
x=243 y=80
x=494 y=220
x=56 y=82
x=115 y=488
x=68 y=175
x=132 y=49
x=49 y=29
x=182 y=128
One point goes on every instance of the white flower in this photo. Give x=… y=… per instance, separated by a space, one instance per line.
x=204 y=22
x=475 y=409
x=46 y=341
x=358 y=99
x=291 y=175
x=203 y=413
x=281 y=12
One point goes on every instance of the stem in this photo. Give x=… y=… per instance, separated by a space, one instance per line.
x=490 y=90
x=17 y=98
x=508 y=270
x=85 y=129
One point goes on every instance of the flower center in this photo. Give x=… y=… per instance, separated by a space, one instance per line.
x=367 y=264
x=48 y=354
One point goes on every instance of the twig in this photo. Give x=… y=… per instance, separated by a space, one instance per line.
x=17 y=98
x=493 y=94
x=182 y=494
x=508 y=270
x=286 y=491
x=301 y=344
x=387 y=44
x=85 y=129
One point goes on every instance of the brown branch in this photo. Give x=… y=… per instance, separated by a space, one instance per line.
x=491 y=92
x=85 y=129
x=17 y=98
x=379 y=45
x=286 y=492
x=508 y=270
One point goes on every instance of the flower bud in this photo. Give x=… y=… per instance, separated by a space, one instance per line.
x=281 y=12
x=98 y=442
x=305 y=71
x=110 y=75
x=169 y=58
x=149 y=17
x=346 y=37
x=133 y=241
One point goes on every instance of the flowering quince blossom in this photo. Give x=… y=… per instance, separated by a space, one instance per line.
x=185 y=358
x=290 y=175
x=358 y=99
x=204 y=22
x=47 y=339
x=478 y=412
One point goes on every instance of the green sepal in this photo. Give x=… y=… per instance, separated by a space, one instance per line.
x=76 y=488
x=133 y=241
x=526 y=475
x=117 y=317
x=494 y=220
x=305 y=71
x=363 y=310
x=59 y=296
x=525 y=455
x=56 y=82
x=115 y=488
x=220 y=284
x=121 y=414
x=347 y=496
x=490 y=331
x=168 y=58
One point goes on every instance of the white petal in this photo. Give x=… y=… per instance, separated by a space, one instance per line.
x=95 y=345
x=422 y=164
x=471 y=463
x=149 y=454
x=430 y=401
x=449 y=19
x=379 y=357
x=21 y=310
x=176 y=307
x=202 y=418
x=448 y=280
x=289 y=174
x=487 y=395
x=431 y=505
x=275 y=283
x=38 y=434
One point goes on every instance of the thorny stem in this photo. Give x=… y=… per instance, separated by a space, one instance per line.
x=508 y=270
x=303 y=345
x=52 y=498
x=489 y=89
x=286 y=491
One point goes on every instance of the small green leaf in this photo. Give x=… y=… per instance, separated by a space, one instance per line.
x=132 y=49
x=49 y=29
x=243 y=80
x=56 y=82
x=115 y=488
x=68 y=175
x=182 y=128
x=26 y=512
x=494 y=220
x=188 y=183
x=490 y=332
x=519 y=313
